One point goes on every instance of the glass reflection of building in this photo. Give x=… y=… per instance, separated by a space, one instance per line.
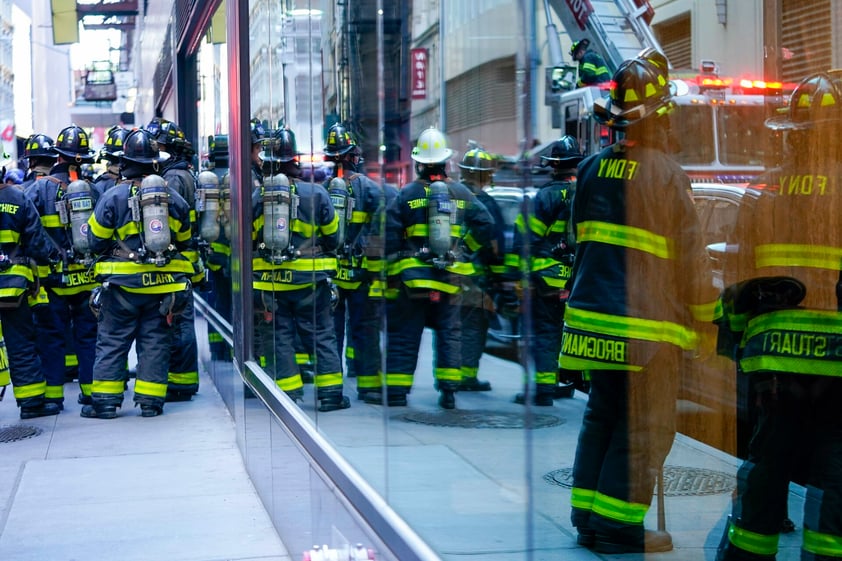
x=345 y=62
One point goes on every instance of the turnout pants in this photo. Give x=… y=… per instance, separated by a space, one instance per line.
x=183 y=375
x=53 y=320
x=627 y=431
x=24 y=363
x=362 y=349
x=126 y=317
x=798 y=437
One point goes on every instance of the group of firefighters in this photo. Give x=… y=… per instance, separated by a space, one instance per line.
x=609 y=257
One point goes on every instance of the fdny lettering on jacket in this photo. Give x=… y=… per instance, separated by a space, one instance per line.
x=617 y=168
x=598 y=348
x=152 y=279
x=9 y=208
x=792 y=185
x=276 y=276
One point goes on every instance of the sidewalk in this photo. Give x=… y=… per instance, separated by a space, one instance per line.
x=168 y=488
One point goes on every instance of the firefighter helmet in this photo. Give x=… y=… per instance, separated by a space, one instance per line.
x=339 y=141
x=169 y=135
x=114 y=139
x=816 y=100
x=39 y=146
x=73 y=142
x=579 y=46
x=656 y=57
x=142 y=148
x=477 y=159
x=639 y=89
x=431 y=148
x=564 y=153
x=218 y=148
x=280 y=147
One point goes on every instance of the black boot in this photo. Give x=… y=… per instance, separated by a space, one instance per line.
x=177 y=395
x=42 y=409
x=333 y=402
x=149 y=410
x=447 y=399
x=393 y=398
x=540 y=400
x=472 y=384
x=99 y=411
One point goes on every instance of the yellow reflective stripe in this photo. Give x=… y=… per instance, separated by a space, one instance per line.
x=432 y=285
x=546 y=377
x=9 y=236
x=279 y=287
x=472 y=244
x=71 y=360
x=559 y=226
x=222 y=248
x=575 y=363
x=541 y=263
x=448 y=374
x=582 y=498
x=375 y=265
x=159 y=289
x=402 y=380
x=30 y=390
x=760 y=544
x=51 y=221
x=537 y=226
x=469 y=371
x=113 y=387
x=706 y=312
x=328 y=379
x=625 y=236
x=359 y=217
x=519 y=225
x=810 y=321
x=794 y=365
x=555 y=282
x=302 y=358
x=19 y=271
x=798 y=255
x=511 y=260
x=631 y=328
x=332 y=226
x=822 y=544
x=461 y=268
x=54 y=392
x=131 y=268
x=181 y=234
x=616 y=509
x=98 y=229
x=11 y=292
x=302 y=264
x=407 y=263
x=150 y=388
x=290 y=383
x=183 y=378
x=419 y=230
x=128 y=229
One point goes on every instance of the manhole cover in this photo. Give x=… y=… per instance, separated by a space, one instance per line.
x=679 y=481
x=18 y=432
x=481 y=419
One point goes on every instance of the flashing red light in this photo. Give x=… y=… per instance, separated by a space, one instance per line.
x=760 y=84
x=716 y=82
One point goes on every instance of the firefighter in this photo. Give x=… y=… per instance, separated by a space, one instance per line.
x=476 y=170
x=640 y=292
x=432 y=227
x=64 y=201
x=783 y=287
x=22 y=240
x=110 y=154
x=551 y=250
x=184 y=361
x=138 y=230
x=40 y=157
x=592 y=68
x=356 y=199
x=295 y=233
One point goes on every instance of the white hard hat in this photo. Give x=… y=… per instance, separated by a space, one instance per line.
x=431 y=147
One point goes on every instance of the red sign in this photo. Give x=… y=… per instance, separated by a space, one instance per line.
x=418 y=58
x=8 y=133
x=581 y=10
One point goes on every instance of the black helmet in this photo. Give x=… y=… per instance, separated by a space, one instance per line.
x=258 y=131
x=114 y=139
x=339 y=141
x=477 y=159
x=73 y=142
x=816 y=100
x=218 y=148
x=39 y=146
x=140 y=147
x=656 y=57
x=168 y=134
x=639 y=88
x=564 y=153
x=280 y=147
x=579 y=45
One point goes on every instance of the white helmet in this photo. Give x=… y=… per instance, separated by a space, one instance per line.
x=431 y=148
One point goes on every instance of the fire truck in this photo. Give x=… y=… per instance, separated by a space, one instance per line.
x=718 y=133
